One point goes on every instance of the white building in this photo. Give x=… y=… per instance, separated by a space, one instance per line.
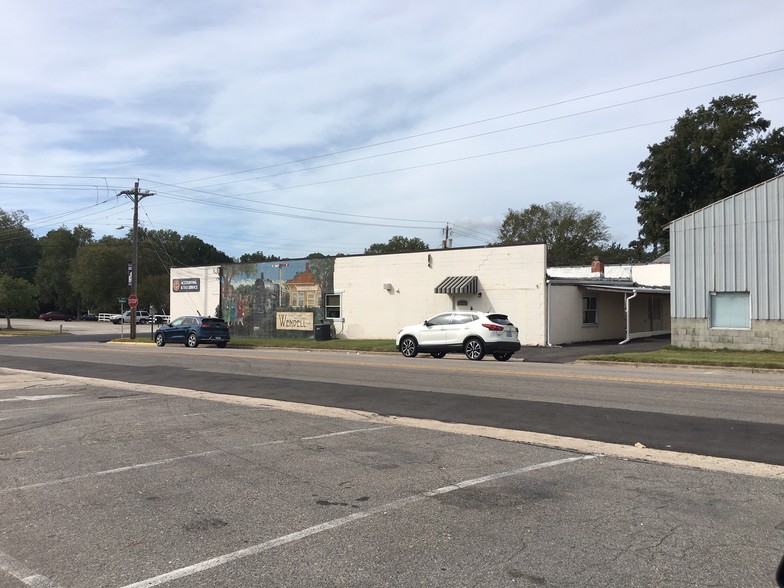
x=373 y=296
x=608 y=302
x=382 y=293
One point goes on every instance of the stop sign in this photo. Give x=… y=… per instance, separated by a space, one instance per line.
x=133 y=301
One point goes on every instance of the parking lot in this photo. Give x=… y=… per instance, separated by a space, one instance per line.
x=107 y=484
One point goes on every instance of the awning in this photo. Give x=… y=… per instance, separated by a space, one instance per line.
x=458 y=285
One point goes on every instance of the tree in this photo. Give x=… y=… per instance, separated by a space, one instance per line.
x=52 y=276
x=257 y=257
x=712 y=153
x=17 y=297
x=99 y=274
x=18 y=246
x=398 y=244
x=572 y=235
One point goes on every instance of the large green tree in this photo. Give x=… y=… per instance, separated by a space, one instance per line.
x=18 y=246
x=53 y=275
x=17 y=297
x=99 y=273
x=712 y=153
x=398 y=244
x=572 y=235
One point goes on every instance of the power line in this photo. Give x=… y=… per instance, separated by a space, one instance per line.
x=494 y=118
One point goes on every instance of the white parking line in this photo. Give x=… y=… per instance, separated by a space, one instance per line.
x=168 y=460
x=39 y=397
x=296 y=536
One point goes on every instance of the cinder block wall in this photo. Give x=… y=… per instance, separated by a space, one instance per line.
x=698 y=334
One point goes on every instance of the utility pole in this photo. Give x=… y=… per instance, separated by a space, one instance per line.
x=135 y=196
x=447 y=242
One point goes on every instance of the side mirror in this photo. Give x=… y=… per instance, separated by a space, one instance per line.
x=427 y=323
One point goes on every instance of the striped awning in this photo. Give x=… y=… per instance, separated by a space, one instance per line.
x=458 y=285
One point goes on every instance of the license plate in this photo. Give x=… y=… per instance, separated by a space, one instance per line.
x=509 y=333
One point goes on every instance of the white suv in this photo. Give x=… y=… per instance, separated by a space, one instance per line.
x=142 y=316
x=470 y=332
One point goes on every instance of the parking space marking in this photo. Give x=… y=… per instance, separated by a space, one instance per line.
x=26 y=576
x=335 y=523
x=36 y=398
x=169 y=460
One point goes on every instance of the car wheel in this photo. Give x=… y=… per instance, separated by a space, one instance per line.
x=409 y=347
x=192 y=341
x=221 y=345
x=143 y=321
x=438 y=354
x=474 y=349
x=502 y=355
x=160 y=340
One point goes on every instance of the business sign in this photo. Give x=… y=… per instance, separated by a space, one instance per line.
x=294 y=321
x=186 y=285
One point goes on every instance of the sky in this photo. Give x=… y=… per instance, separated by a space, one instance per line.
x=326 y=126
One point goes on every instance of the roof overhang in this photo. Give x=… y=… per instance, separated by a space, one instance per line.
x=458 y=285
x=608 y=286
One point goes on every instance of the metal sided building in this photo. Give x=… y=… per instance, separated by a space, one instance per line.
x=728 y=272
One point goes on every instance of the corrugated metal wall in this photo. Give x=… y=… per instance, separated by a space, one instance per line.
x=734 y=245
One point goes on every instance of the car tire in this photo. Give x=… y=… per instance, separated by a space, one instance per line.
x=408 y=346
x=474 y=349
x=502 y=355
x=160 y=340
x=438 y=354
x=220 y=345
x=192 y=341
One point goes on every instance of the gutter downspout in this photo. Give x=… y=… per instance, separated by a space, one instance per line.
x=547 y=338
x=626 y=300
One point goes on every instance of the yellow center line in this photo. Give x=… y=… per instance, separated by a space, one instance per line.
x=500 y=370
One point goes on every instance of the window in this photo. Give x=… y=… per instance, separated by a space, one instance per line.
x=590 y=310
x=333 y=306
x=459 y=319
x=730 y=310
x=440 y=319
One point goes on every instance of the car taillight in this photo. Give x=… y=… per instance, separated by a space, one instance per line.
x=492 y=327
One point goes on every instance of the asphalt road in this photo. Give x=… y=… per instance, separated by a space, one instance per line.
x=233 y=467
x=128 y=486
x=719 y=413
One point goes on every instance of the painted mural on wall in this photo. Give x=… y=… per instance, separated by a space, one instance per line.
x=275 y=298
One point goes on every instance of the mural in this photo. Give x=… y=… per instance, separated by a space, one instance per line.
x=254 y=295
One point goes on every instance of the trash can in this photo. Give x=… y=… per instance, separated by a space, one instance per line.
x=322 y=332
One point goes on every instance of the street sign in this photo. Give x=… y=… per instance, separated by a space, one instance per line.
x=133 y=301
x=122 y=300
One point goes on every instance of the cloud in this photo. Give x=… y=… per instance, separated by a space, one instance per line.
x=177 y=91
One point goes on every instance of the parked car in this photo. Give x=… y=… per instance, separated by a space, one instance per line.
x=54 y=315
x=89 y=317
x=192 y=330
x=142 y=317
x=470 y=332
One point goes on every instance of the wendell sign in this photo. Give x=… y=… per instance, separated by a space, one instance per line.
x=294 y=321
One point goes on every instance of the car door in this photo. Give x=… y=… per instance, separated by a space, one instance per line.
x=433 y=333
x=178 y=330
x=457 y=329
